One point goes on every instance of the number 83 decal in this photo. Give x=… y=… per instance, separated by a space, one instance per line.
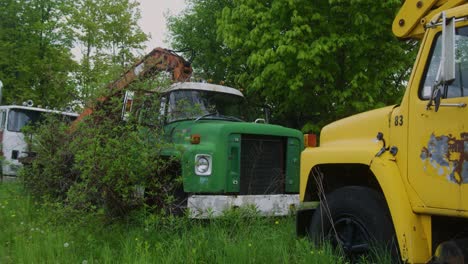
x=398 y=120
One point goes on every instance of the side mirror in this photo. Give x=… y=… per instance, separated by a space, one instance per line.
x=446 y=71
x=447 y=64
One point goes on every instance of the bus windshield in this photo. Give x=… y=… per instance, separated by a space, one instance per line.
x=19 y=118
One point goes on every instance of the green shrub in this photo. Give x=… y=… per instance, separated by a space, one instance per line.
x=103 y=164
x=50 y=174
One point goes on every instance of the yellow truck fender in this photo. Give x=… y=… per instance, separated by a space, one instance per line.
x=413 y=231
x=347 y=151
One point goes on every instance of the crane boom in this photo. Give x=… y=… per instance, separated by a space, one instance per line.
x=158 y=60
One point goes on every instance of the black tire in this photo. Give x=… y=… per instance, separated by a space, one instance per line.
x=361 y=220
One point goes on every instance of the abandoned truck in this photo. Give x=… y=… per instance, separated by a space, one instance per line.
x=228 y=162
x=13 y=118
x=399 y=175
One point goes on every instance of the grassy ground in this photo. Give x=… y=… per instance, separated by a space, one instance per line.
x=32 y=233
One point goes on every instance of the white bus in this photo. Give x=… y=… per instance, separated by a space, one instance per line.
x=13 y=145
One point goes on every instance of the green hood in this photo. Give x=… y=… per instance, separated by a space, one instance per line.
x=225 y=142
x=209 y=130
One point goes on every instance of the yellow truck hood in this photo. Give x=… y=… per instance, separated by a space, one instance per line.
x=357 y=129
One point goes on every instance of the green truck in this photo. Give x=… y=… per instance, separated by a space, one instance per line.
x=225 y=161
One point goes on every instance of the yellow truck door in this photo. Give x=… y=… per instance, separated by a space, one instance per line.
x=438 y=140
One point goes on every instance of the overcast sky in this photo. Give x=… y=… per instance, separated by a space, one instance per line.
x=153 y=19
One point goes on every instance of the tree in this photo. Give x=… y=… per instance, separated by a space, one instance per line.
x=312 y=62
x=109 y=37
x=36 y=41
x=35 y=44
x=194 y=33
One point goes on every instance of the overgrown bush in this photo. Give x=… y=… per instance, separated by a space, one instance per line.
x=103 y=164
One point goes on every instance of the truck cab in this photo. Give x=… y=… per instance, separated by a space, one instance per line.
x=13 y=118
x=398 y=176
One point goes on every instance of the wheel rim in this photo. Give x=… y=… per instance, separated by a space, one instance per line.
x=351 y=236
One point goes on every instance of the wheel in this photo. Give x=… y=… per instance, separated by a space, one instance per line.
x=361 y=223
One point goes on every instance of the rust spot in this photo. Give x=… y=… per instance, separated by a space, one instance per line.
x=449 y=156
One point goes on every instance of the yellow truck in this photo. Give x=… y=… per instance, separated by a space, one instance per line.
x=398 y=176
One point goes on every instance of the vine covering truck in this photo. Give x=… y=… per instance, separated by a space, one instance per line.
x=399 y=175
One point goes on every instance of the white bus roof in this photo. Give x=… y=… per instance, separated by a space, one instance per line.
x=204 y=87
x=38 y=109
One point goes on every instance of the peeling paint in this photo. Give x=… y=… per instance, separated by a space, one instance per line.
x=447 y=156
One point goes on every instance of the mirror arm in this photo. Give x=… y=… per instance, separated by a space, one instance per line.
x=432 y=100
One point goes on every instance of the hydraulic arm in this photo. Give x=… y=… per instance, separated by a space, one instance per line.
x=415 y=14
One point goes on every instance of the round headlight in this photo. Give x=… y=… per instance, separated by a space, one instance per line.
x=203 y=165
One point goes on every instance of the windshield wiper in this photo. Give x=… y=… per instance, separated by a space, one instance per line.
x=206 y=115
x=220 y=116
x=231 y=118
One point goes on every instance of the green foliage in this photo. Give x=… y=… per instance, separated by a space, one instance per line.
x=104 y=165
x=312 y=62
x=51 y=172
x=194 y=33
x=35 y=43
x=318 y=61
x=109 y=38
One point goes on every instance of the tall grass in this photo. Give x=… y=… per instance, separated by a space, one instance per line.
x=32 y=233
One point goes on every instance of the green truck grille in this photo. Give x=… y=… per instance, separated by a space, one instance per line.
x=262 y=164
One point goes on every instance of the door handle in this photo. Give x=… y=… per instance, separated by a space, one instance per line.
x=459 y=105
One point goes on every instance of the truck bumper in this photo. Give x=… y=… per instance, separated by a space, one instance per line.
x=206 y=206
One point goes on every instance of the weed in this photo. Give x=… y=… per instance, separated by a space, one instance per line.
x=30 y=237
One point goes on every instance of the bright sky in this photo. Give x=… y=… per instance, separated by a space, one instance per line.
x=153 y=19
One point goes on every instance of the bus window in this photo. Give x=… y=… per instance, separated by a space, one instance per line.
x=18 y=118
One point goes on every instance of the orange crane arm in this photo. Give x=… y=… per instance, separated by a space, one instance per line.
x=158 y=60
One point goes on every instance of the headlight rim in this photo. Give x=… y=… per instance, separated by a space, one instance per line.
x=203 y=160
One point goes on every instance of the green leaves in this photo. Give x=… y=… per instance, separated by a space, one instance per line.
x=313 y=62
x=36 y=41
x=110 y=38
x=195 y=33
x=105 y=164
x=35 y=47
